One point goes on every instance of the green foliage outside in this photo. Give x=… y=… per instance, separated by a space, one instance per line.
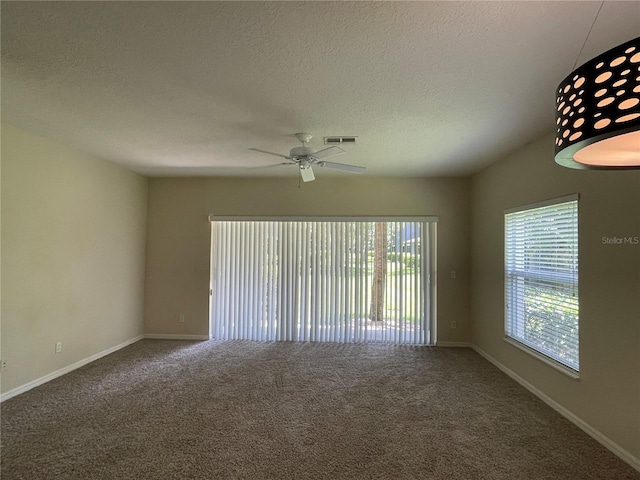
x=551 y=321
x=409 y=263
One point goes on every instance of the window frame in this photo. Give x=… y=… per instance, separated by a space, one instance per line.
x=571 y=369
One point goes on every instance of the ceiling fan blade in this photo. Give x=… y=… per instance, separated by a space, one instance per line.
x=307 y=174
x=342 y=166
x=328 y=152
x=272 y=165
x=270 y=153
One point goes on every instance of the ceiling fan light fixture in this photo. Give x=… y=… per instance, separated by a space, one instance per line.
x=306 y=172
x=598 y=112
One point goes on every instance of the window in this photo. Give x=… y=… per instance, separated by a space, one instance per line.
x=323 y=280
x=541 y=279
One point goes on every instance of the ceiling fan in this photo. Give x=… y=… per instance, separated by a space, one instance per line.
x=304 y=157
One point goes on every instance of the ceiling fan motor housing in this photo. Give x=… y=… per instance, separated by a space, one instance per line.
x=299 y=152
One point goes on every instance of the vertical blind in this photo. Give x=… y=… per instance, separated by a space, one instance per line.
x=313 y=281
x=541 y=279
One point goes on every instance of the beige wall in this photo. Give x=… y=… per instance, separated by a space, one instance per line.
x=607 y=396
x=179 y=235
x=73 y=241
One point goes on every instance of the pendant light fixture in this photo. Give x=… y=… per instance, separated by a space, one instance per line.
x=598 y=112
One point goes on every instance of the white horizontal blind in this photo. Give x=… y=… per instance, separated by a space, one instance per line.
x=541 y=280
x=312 y=281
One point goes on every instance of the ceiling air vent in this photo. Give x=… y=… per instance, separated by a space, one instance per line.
x=335 y=140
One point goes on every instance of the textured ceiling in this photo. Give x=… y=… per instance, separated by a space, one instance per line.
x=182 y=88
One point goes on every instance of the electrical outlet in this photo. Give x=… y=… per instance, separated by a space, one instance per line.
x=453 y=324
x=3 y=365
x=58 y=347
x=453 y=274
x=181 y=320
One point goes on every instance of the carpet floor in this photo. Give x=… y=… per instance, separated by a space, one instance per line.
x=249 y=410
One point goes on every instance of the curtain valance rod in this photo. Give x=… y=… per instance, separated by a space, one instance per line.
x=311 y=218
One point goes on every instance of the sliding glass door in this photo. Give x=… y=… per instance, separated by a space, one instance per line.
x=331 y=280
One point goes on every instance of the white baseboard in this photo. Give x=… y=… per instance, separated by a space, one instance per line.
x=69 y=368
x=169 y=336
x=453 y=344
x=584 y=426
